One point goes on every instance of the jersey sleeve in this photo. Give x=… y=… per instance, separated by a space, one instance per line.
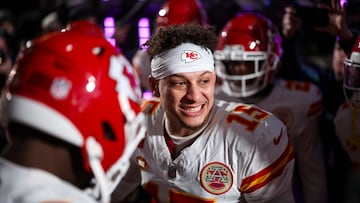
x=307 y=97
x=266 y=158
x=269 y=166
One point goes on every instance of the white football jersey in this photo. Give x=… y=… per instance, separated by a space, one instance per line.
x=299 y=104
x=28 y=185
x=347 y=127
x=244 y=153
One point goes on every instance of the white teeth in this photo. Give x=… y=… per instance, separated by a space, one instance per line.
x=193 y=109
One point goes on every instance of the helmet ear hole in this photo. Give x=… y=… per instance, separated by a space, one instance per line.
x=108 y=131
x=98 y=51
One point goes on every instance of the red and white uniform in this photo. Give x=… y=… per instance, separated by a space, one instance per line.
x=28 y=185
x=299 y=105
x=237 y=155
x=347 y=126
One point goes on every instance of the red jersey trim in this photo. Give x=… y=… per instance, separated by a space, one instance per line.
x=315 y=108
x=260 y=179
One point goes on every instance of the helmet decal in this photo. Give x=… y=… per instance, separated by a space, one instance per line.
x=60 y=88
x=127 y=83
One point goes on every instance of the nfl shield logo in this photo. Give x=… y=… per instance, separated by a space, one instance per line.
x=60 y=88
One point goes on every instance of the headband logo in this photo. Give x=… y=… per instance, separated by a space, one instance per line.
x=190 y=56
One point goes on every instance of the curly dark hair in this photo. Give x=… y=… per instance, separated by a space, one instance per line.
x=171 y=36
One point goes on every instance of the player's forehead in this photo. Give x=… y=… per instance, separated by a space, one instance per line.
x=190 y=75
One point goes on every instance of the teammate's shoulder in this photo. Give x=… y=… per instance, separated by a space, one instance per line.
x=299 y=87
x=304 y=95
x=343 y=111
x=345 y=105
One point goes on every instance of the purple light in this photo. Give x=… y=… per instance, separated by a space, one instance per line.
x=147 y=95
x=112 y=41
x=143 y=30
x=342 y=2
x=143 y=22
x=109 y=27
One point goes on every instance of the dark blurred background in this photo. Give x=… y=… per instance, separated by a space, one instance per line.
x=29 y=14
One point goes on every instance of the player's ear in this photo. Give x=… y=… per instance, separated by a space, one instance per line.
x=154 y=86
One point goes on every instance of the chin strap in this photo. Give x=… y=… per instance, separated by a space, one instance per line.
x=105 y=183
x=95 y=154
x=134 y=132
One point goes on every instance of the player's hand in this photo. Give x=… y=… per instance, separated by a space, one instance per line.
x=337 y=24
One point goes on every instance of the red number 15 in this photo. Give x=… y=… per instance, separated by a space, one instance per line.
x=256 y=114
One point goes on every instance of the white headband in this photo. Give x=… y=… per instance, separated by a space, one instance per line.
x=184 y=58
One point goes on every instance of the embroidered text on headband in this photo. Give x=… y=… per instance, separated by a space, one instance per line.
x=184 y=58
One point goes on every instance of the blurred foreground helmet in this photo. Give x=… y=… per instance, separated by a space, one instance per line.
x=77 y=87
x=180 y=12
x=247 y=55
x=352 y=77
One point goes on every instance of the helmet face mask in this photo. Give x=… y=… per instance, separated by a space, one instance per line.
x=242 y=72
x=252 y=41
x=351 y=84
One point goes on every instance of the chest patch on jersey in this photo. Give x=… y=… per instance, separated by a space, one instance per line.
x=216 y=178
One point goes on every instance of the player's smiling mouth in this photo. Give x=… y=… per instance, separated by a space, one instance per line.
x=192 y=109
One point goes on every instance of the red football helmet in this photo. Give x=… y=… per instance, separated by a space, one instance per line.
x=247 y=55
x=180 y=12
x=352 y=77
x=77 y=87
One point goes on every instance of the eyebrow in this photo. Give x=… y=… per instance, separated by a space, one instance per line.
x=179 y=74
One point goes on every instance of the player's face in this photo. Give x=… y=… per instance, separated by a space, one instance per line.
x=187 y=99
x=240 y=67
